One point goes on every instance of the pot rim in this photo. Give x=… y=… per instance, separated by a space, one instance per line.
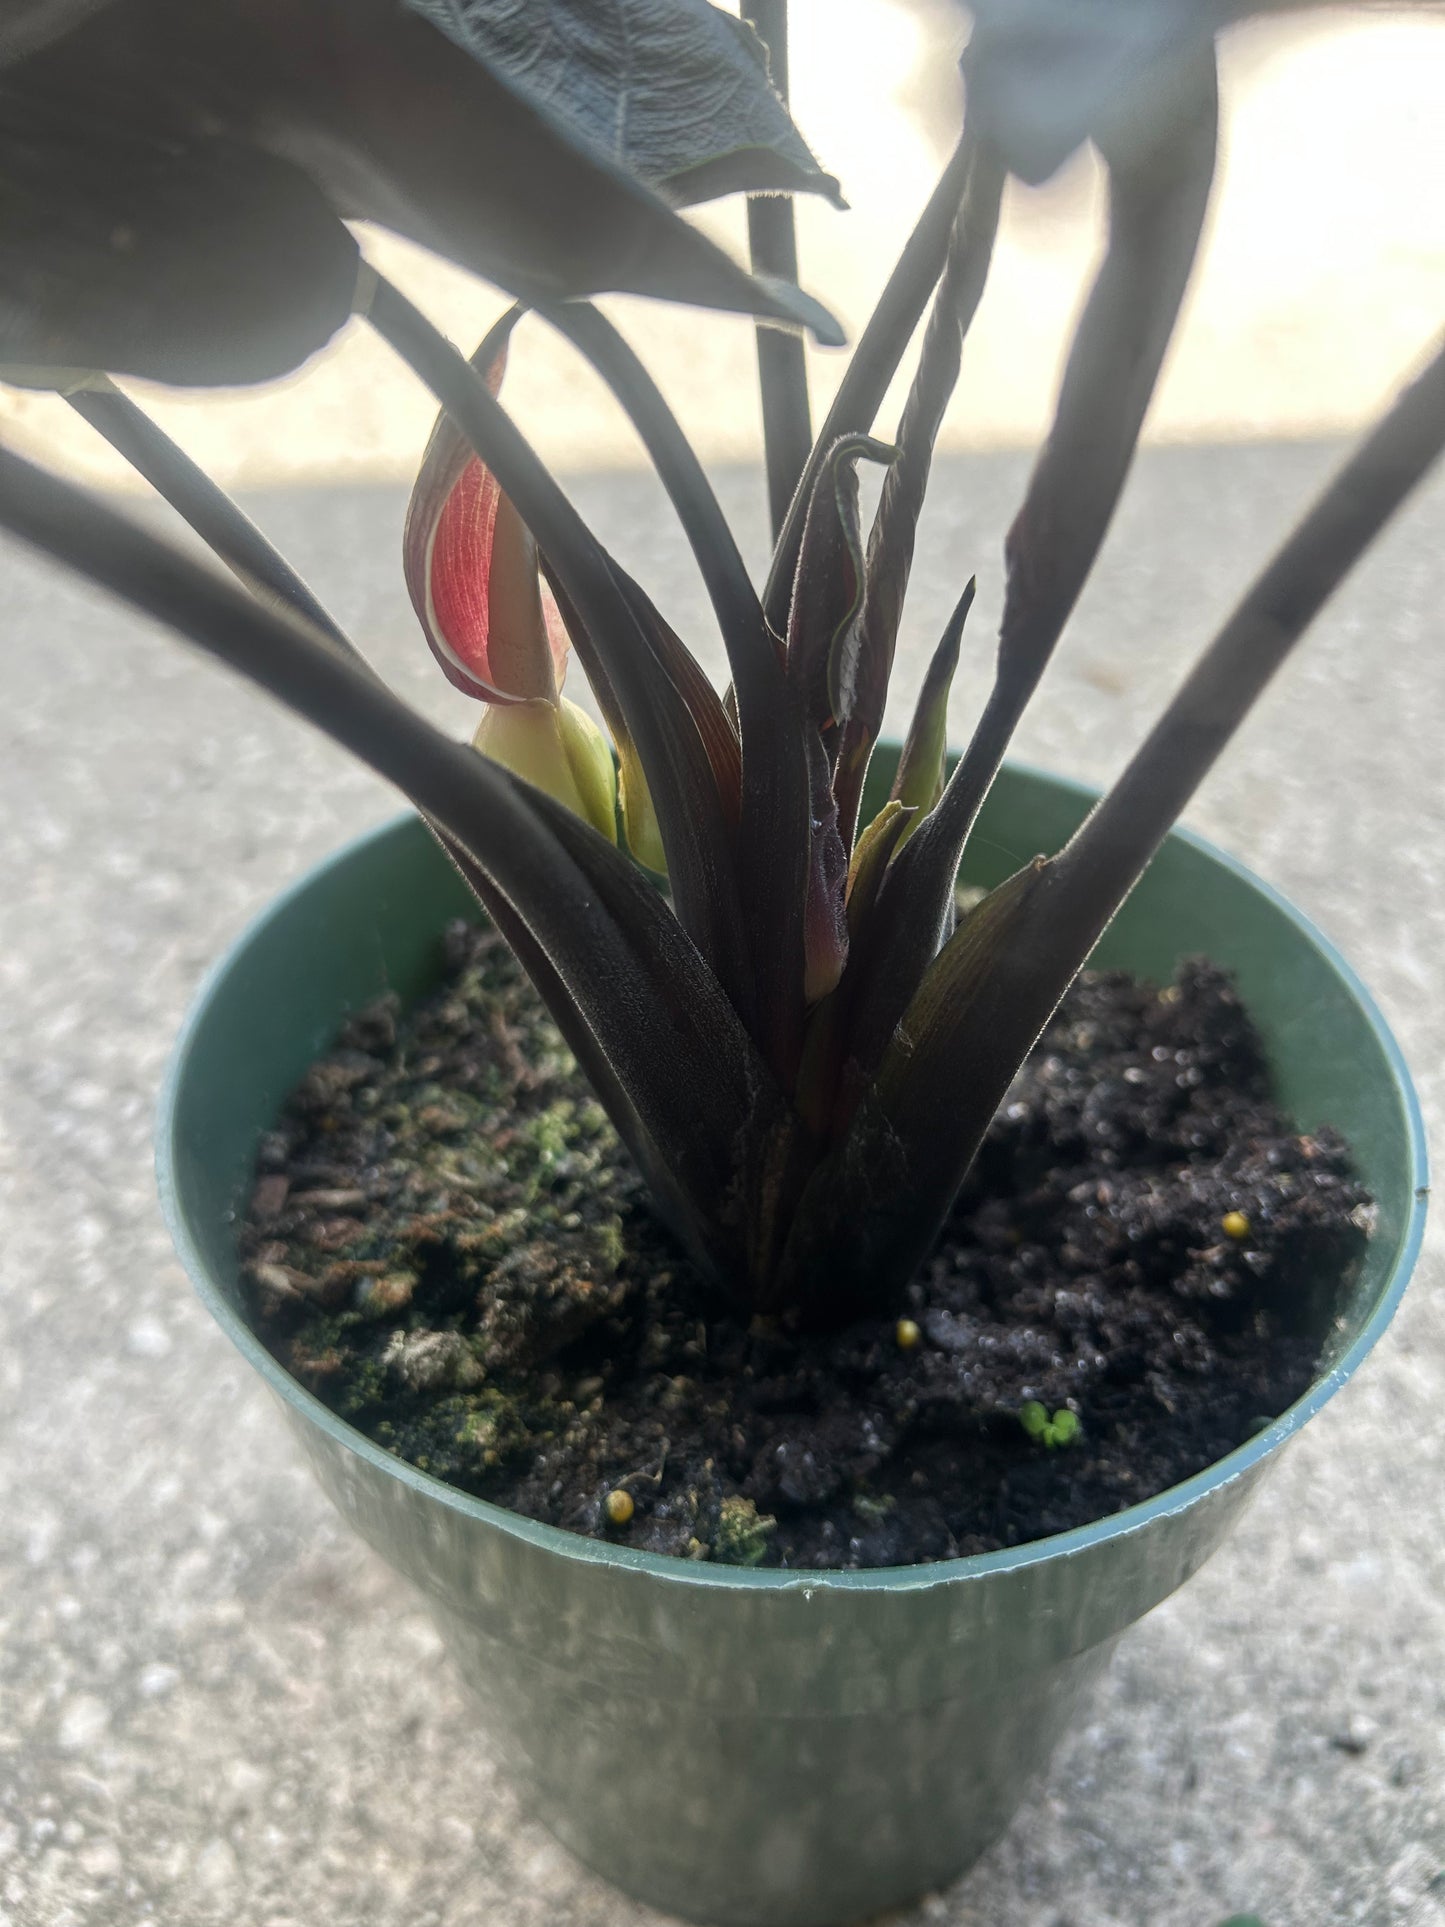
x=573 y=1546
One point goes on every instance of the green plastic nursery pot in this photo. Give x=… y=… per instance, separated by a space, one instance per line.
x=754 y=1746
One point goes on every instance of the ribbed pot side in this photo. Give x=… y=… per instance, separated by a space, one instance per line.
x=760 y=1748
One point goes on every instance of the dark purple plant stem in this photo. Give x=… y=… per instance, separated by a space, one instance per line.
x=871 y=366
x=672 y=1041
x=890 y=544
x=221 y=525
x=773 y=244
x=1158 y=199
x=989 y=994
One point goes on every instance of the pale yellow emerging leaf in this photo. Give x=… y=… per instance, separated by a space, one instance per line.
x=639 y=820
x=560 y=750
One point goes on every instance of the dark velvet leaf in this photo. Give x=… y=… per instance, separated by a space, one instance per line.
x=186 y=257
x=1045 y=76
x=673 y=91
x=28 y=25
x=389 y=118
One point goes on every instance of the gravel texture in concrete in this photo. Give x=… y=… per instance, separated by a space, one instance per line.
x=217 y=1706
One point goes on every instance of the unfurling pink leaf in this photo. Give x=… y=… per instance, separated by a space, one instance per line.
x=471 y=568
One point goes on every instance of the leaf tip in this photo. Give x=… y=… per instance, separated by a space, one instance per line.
x=786 y=304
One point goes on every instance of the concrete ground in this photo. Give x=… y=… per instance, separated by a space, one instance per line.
x=216 y=1706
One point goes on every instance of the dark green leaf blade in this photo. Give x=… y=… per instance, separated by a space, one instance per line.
x=673 y=91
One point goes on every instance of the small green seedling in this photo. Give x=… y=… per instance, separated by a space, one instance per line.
x=1061 y=1429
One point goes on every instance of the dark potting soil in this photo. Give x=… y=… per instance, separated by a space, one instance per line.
x=448 y=1245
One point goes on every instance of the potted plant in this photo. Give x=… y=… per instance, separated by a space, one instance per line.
x=802 y=1041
